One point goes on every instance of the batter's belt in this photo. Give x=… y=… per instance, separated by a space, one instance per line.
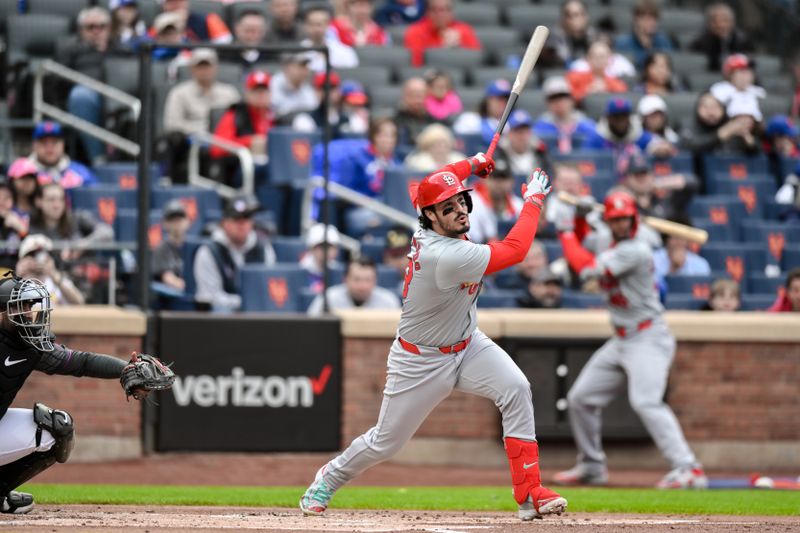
x=623 y=332
x=453 y=348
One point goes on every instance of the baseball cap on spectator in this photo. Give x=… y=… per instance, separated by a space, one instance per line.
x=650 y=104
x=174 y=209
x=34 y=243
x=22 y=167
x=745 y=107
x=319 y=80
x=116 y=4
x=736 y=62
x=779 y=125
x=316 y=235
x=203 y=55
x=257 y=78
x=498 y=88
x=167 y=20
x=398 y=241
x=555 y=86
x=546 y=275
x=618 y=106
x=47 y=128
x=634 y=162
x=241 y=206
x=302 y=58
x=520 y=118
x=353 y=93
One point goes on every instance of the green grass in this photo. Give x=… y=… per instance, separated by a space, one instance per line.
x=724 y=502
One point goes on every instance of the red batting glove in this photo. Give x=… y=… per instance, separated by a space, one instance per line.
x=482 y=164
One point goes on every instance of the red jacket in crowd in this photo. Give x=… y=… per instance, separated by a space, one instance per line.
x=423 y=35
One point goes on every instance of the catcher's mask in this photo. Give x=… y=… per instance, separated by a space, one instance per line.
x=27 y=304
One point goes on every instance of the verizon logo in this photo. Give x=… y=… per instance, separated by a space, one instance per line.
x=241 y=390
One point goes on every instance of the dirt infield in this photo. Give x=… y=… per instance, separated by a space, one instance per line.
x=127 y=519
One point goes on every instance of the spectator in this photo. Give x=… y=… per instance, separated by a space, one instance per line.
x=595 y=80
x=127 y=28
x=788 y=195
x=25 y=186
x=523 y=151
x=168 y=30
x=247 y=123
x=316 y=20
x=748 y=139
x=442 y=101
x=400 y=12
x=725 y=296
x=665 y=196
x=348 y=112
x=645 y=38
x=86 y=53
x=562 y=122
x=493 y=200
x=356 y=27
x=167 y=258
x=657 y=76
x=335 y=117
x=233 y=244
x=198 y=27
x=618 y=131
x=12 y=228
x=291 y=88
x=36 y=261
x=438 y=29
x=397 y=248
x=568 y=178
x=569 y=40
x=487 y=118
x=720 y=38
x=284 y=27
x=188 y=108
x=54 y=219
x=355 y=108
x=320 y=249
x=412 y=116
x=711 y=129
x=738 y=89
x=618 y=65
x=51 y=161
x=788 y=300
x=676 y=259
x=534 y=264
x=359 y=290
x=780 y=137
x=543 y=292
x=250 y=29
x=653 y=114
x=435 y=149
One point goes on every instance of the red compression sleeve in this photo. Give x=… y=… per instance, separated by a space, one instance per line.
x=577 y=256
x=582 y=228
x=515 y=246
x=462 y=169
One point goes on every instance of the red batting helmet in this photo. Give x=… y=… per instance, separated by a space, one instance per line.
x=621 y=204
x=438 y=187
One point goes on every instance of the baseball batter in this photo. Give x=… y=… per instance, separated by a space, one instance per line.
x=438 y=346
x=33 y=440
x=641 y=351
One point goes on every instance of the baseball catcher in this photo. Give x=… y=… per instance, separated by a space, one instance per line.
x=32 y=440
x=439 y=348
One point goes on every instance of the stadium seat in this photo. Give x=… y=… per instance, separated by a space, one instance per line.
x=373 y=249
x=757 y=302
x=716 y=232
x=389 y=277
x=397 y=32
x=595 y=104
x=758 y=283
x=306 y=297
x=202 y=205
x=65 y=8
x=725 y=211
x=477 y=14
x=288 y=249
x=496 y=298
x=104 y=202
x=470 y=143
x=481 y=76
x=396 y=56
x=702 y=81
x=123 y=74
x=681 y=108
x=698 y=287
x=126 y=228
x=227 y=72
x=210 y=6
x=772 y=210
x=775 y=104
x=581 y=300
x=775 y=234
x=495 y=39
x=736 y=166
x=753 y=192
x=123 y=175
x=395 y=189
x=8 y=8
x=290 y=155
x=590 y=163
x=532 y=101
x=791 y=257
x=687 y=63
x=367 y=75
x=735 y=258
x=524 y=18
x=679 y=163
x=471 y=97
x=554 y=249
x=683 y=302
x=271 y=288
x=457 y=74
x=599 y=186
x=385 y=97
x=675 y=20
x=453 y=57
x=32 y=37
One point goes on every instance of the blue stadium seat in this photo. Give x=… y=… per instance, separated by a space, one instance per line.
x=591 y=163
x=786 y=166
x=698 y=287
x=753 y=192
x=290 y=155
x=496 y=298
x=306 y=297
x=126 y=227
x=757 y=302
x=599 y=186
x=679 y=163
x=580 y=300
x=719 y=210
x=758 y=283
x=684 y=302
x=271 y=288
x=288 y=249
x=123 y=174
x=553 y=247
x=389 y=277
x=716 y=232
x=735 y=166
x=735 y=258
x=776 y=235
x=395 y=189
x=201 y=204
x=374 y=249
x=470 y=143
x=791 y=257
x=104 y=201
x=775 y=211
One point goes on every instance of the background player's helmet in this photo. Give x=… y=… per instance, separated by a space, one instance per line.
x=620 y=204
x=27 y=303
x=440 y=186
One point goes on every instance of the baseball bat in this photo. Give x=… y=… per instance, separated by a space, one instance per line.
x=525 y=68
x=697 y=235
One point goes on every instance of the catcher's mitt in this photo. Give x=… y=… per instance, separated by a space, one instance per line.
x=143 y=374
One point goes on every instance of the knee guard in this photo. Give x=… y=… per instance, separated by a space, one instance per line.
x=59 y=424
x=523 y=459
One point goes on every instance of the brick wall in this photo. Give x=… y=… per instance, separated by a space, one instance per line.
x=97 y=405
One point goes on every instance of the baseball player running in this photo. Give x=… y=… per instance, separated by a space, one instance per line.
x=641 y=351
x=33 y=440
x=438 y=346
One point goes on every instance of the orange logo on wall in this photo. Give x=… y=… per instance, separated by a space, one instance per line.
x=107 y=209
x=747 y=194
x=735 y=267
x=701 y=291
x=127 y=181
x=738 y=171
x=587 y=168
x=718 y=215
x=662 y=168
x=190 y=204
x=278 y=291
x=154 y=236
x=776 y=243
x=301 y=151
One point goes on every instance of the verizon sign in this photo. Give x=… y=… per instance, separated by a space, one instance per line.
x=250 y=383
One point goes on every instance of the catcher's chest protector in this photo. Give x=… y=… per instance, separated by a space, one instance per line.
x=17 y=361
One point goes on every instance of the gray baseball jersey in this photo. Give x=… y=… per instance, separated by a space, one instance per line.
x=442 y=284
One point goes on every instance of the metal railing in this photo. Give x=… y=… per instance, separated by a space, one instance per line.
x=246 y=164
x=40 y=107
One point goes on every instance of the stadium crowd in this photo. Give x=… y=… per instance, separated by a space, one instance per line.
x=674 y=105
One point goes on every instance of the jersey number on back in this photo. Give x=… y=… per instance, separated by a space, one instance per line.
x=413 y=265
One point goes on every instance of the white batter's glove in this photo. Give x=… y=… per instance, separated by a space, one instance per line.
x=537 y=188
